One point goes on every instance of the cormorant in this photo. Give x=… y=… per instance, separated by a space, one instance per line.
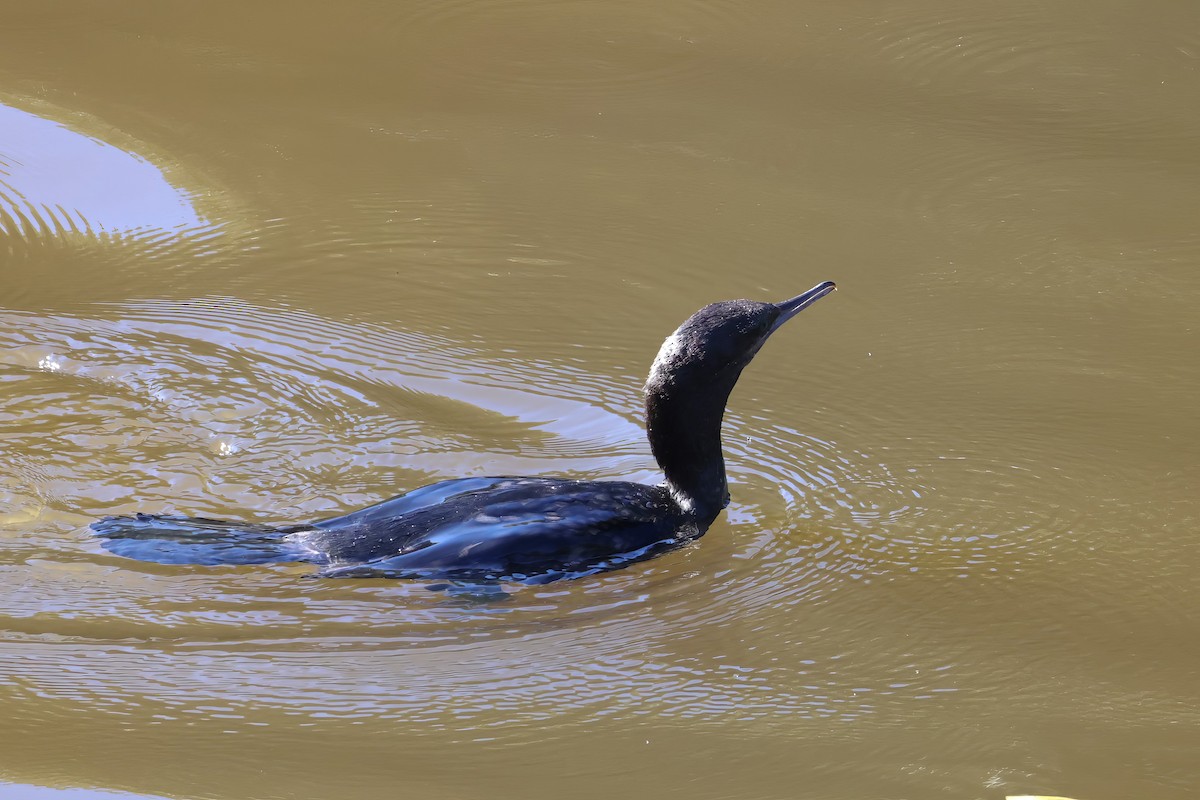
x=526 y=529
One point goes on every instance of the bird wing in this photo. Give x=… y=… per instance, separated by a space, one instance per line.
x=500 y=527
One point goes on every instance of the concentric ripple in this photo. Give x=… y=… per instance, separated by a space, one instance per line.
x=221 y=408
x=945 y=47
x=1028 y=70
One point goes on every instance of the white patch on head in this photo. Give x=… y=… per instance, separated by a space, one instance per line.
x=668 y=353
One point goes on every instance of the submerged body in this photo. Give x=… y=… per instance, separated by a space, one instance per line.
x=532 y=529
x=529 y=529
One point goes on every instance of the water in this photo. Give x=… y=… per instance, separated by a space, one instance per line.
x=274 y=262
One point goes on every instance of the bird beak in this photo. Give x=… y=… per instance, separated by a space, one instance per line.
x=790 y=308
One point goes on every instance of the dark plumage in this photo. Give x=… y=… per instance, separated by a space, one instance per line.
x=531 y=529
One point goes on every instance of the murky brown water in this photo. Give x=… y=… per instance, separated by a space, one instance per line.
x=277 y=261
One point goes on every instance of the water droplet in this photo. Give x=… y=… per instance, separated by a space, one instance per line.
x=51 y=363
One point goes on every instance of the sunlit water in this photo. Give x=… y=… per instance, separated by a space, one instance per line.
x=276 y=264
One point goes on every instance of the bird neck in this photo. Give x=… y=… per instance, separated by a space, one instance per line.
x=683 y=424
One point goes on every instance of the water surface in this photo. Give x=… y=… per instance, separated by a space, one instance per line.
x=274 y=262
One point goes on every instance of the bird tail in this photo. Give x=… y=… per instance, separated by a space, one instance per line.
x=197 y=540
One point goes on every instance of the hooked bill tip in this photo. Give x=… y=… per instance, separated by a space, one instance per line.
x=792 y=307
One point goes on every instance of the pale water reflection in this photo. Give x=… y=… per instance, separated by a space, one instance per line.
x=55 y=181
x=29 y=792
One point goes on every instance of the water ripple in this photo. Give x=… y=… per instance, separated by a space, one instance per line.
x=218 y=407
